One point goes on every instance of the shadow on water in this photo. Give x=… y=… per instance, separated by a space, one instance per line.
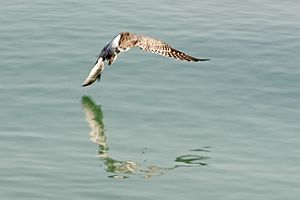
x=121 y=169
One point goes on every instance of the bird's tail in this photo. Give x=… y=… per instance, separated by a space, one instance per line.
x=95 y=73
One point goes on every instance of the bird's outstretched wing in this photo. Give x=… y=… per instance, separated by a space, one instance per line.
x=159 y=47
x=95 y=73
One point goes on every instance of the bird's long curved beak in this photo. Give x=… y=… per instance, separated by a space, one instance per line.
x=95 y=73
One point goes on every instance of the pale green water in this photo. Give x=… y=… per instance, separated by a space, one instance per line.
x=223 y=129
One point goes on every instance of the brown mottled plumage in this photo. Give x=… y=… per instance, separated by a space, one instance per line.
x=125 y=41
x=159 y=47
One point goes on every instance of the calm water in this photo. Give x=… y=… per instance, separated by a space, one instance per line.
x=153 y=128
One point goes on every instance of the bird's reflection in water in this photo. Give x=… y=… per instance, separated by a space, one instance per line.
x=123 y=169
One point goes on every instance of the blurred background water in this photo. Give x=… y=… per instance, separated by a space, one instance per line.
x=163 y=129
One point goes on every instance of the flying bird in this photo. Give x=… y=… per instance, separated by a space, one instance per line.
x=125 y=41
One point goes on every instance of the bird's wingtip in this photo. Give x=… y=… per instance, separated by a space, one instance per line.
x=84 y=84
x=88 y=81
x=202 y=59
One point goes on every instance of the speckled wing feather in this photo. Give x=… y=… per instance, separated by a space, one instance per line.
x=159 y=47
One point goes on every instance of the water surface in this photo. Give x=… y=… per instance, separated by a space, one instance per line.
x=223 y=129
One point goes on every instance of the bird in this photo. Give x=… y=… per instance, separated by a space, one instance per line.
x=127 y=40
